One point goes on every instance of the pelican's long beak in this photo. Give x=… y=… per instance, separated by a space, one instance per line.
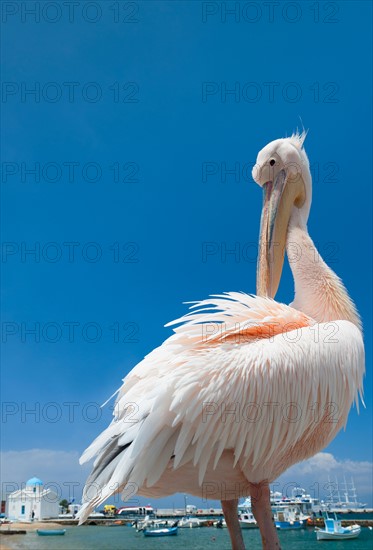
x=279 y=198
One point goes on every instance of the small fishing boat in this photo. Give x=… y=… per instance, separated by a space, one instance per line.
x=166 y=532
x=334 y=531
x=247 y=520
x=289 y=517
x=190 y=522
x=50 y=532
x=150 y=523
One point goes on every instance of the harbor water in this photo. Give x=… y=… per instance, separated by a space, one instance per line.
x=126 y=538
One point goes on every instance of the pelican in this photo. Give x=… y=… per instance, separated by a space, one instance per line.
x=245 y=387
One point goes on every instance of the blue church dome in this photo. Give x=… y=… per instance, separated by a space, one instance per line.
x=34 y=481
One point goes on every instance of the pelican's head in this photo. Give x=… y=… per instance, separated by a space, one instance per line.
x=282 y=170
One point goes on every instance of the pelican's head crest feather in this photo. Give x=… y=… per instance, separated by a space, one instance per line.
x=297 y=138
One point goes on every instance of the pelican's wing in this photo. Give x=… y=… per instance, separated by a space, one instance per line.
x=195 y=396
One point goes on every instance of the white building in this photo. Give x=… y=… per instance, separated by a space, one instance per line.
x=32 y=502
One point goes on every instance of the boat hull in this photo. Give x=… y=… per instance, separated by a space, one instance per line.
x=248 y=524
x=51 y=532
x=287 y=525
x=323 y=535
x=172 y=531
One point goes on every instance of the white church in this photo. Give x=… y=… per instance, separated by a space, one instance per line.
x=33 y=502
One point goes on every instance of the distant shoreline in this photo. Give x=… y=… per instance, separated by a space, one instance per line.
x=29 y=526
x=18 y=525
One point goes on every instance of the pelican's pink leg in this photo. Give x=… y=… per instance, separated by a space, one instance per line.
x=231 y=517
x=261 y=508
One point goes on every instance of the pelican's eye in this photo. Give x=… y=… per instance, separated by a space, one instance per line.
x=272 y=162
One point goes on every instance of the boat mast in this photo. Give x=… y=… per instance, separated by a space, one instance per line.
x=346 y=490
x=338 y=493
x=353 y=493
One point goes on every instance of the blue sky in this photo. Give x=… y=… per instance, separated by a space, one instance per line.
x=140 y=113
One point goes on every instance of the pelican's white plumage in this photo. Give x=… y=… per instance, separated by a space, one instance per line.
x=176 y=402
x=246 y=386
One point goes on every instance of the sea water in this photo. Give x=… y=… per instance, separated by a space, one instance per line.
x=92 y=537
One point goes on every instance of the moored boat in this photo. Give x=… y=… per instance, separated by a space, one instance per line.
x=247 y=520
x=50 y=532
x=348 y=503
x=333 y=530
x=191 y=522
x=289 y=517
x=150 y=523
x=167 y=531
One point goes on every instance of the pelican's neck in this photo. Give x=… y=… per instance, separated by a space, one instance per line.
x=319 y=292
